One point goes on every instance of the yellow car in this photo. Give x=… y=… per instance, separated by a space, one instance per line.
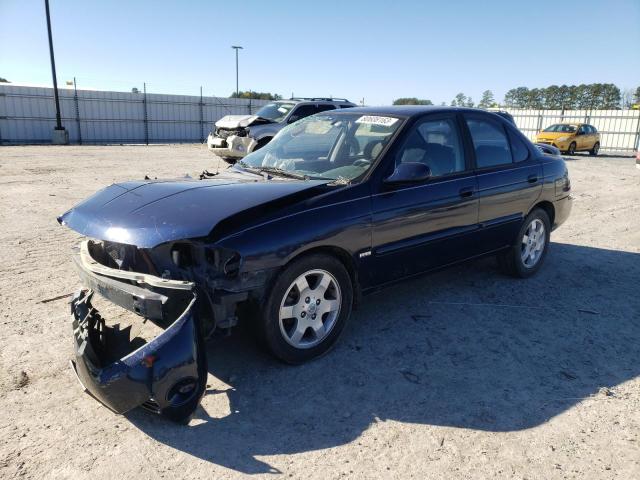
x=571 y=137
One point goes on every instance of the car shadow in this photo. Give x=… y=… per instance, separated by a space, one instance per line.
x=623 y=156
x=466 y=348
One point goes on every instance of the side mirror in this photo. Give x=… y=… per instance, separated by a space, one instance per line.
x=293 y=118
x=409 y=172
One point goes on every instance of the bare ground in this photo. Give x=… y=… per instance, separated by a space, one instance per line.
x=461 y=374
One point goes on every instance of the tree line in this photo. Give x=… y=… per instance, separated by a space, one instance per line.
x=256 y=95
x=592 y=96
x=596 y=96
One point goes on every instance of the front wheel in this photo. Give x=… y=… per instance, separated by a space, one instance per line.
x=525 y=257
x=594 y=151
x=572 y=149
x=307 y=308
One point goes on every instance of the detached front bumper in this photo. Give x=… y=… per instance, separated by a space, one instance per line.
x=166 y=374
x=232 y=146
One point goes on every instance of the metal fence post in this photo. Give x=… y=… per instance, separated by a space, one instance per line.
x=75 y=98
x=146 y=123
x=539 y=128
x=249 y=105
x=201 y=117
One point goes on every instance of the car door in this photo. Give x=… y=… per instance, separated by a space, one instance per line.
x=424 y=225
x=509 y=179
x=593 y=136
x=582 y=138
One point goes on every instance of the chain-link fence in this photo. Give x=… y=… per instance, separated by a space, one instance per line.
x=27 y=115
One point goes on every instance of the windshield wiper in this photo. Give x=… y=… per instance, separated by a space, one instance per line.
x=271 y=170
x=283 y=173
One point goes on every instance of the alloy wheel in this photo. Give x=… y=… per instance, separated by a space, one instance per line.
x=533 y=242
x=310 y=309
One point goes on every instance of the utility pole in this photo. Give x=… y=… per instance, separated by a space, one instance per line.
x=60 y=135
x=236 y=48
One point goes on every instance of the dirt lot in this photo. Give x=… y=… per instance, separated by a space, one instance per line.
x=461 y=374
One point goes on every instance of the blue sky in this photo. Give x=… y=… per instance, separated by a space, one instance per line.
x=379 y=50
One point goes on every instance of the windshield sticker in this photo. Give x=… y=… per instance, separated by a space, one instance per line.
x=375 y=120
x=282 y=110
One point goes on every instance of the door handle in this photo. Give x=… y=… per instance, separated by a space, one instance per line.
x=532 y=178
x=466 y=192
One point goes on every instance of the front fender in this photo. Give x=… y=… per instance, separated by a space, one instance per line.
x=340 y=220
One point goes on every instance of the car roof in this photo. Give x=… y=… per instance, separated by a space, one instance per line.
x=411 y=110
x=332 y=101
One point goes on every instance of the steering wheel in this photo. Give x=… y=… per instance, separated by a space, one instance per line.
x=362 y=162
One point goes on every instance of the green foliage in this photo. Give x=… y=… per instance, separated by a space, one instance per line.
x=593 y=96
x=462 y=101
x=256 y=95
x=487 y=100
x=411 y=101
x=4 y=80
x=636 y=95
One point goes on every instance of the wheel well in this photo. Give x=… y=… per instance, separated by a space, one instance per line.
x=344 y=257
x=547 y=207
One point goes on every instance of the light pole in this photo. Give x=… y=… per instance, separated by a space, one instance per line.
x=60 y=135
x=236 y=48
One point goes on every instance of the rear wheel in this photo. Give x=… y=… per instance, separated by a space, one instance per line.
x=572 y=149
x=525 y=257
x=596 y=148
x=307 y=308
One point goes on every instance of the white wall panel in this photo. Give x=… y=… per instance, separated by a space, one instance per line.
x=27 y=115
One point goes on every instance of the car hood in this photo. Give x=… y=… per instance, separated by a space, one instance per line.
x=236 y=121
x=149 y=213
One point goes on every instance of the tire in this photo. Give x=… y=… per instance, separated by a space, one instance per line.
x=572 y=149
x=513 y=261
x=307 y=308
x=596 y=148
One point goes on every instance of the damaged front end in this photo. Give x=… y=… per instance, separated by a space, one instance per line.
x=166 y=374
x=231 y=142
x=232 y=138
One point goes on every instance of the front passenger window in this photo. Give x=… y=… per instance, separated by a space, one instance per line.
x=435 y=143
x=489 y=142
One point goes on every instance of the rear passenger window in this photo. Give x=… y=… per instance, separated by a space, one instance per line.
x=325 y=106
x=304 y=111
x=490 y=143
x=519 y=150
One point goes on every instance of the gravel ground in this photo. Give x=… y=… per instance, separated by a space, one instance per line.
x=461 y=374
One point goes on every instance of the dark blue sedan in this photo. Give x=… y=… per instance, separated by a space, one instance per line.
x=336 y=206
